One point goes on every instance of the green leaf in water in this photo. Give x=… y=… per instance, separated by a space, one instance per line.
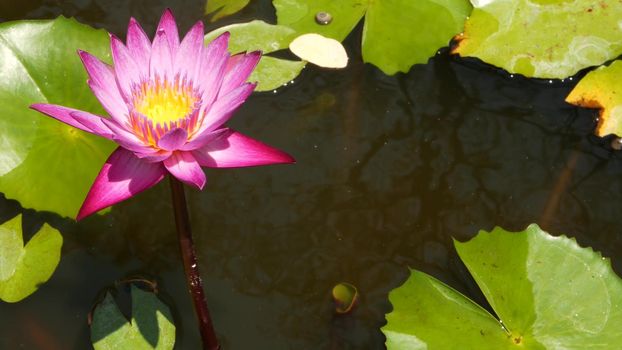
x=548 y=292
x=602 y=88
x=345 y=296
x=151 y=326
x=544 y=38
x=271 y=72
x=45 y=164
x=223 y=8
x=397 y=33
x=24 y=268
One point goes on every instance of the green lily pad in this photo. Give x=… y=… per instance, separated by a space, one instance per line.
x=24 y=268
x=223 y=8
x=151 y=326
x=271 y=72
x=544 y=39
x=397 y=33
x=45 y=164
x=602 y=88
x=548 y=292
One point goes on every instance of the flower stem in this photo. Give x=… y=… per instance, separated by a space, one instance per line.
x=193 y=278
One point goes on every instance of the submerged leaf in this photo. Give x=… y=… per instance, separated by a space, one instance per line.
x=45 y=164
x=271 y=72
x=223 y=8
x=548 y=292
x=397 y=33
x=24 y=268
x=545 y=38
x=602 y=88
x=151 y=326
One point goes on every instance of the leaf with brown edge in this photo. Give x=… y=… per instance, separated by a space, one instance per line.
x=602 y=89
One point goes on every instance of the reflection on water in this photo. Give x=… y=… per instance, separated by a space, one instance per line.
x=388 y=170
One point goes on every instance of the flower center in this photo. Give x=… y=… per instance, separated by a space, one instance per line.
x=163 y=102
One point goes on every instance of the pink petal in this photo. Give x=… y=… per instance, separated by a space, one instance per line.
x=126 y=139
x=173 y=140
x=183 y=166
x=224 y=106
x=139 y=46
x=67 y=116
x=125 y=67
x=122 y=176
x=154 y=157
x=239 y=68
x=213 y=64
x=234 y=150
x=188 y=58
x=161 y=64
x=115 y=106
x=202 y=139
x=167 y=25
x=93 y=123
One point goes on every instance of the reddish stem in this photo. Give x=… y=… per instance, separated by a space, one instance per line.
x=193 y=278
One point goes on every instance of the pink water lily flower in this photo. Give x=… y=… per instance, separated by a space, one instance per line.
x=167 y=101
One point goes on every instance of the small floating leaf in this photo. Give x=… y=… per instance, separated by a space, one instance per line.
x=223 y=8
x=271 y=72
x=602 y=88
x=151 y=326
x=319 y=50
x=345 y=296
x=24 y=268
x=543 y=38
x=548 y=292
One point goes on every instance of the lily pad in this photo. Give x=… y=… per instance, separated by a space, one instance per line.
x=397 y=33
x=24 y=268
x=151 y=326
x=545 y=38
x=548 y=293
x=271 y=72
x=45 y=164
x=223 y=8
x=602 y=88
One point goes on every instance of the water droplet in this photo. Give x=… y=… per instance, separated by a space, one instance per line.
x=570 y=78
x=616 y=144
x=511 y=75
x=323 y=18
x=550 y=81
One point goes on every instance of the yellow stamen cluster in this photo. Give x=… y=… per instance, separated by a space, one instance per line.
x=163 y=102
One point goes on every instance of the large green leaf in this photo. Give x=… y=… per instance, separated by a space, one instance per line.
x=45 y=164
x=151 y=326
x=602 y=88
x=24 y=268
x=222 y=8
x=548 y=292
x=397 y=33
x=545 y=38
x=271 y=72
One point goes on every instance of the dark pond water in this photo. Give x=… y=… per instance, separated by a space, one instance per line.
x=389 y=170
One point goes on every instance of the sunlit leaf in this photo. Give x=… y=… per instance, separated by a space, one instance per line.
x=45 y=164
x=271 y=72
x=602 y=88
x=548 y=292
x=319 y=50
x=24 y=268
x=223 y=8
x=397 y=33
x=151 y=326
x=545 y=38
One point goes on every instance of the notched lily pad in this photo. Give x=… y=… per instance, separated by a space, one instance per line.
x=397 y=33
x=45 y=164
x=24 y=268
x=544 y=39
x=548 y=292
x=271 y=72
x=151 y=325
x=602 y=89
